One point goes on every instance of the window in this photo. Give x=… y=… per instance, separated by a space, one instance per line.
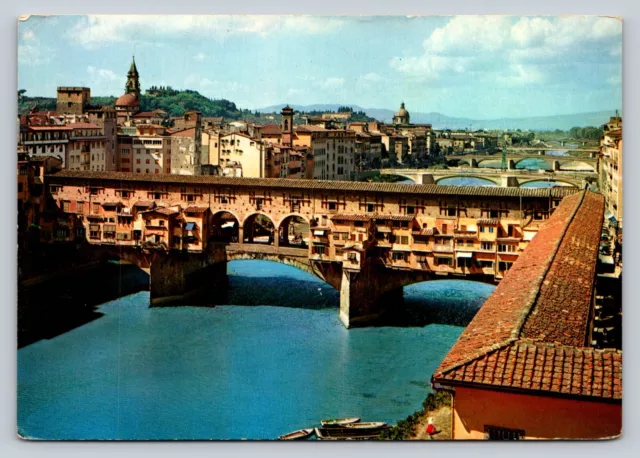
x=485 y=264
x=506 y=248
x=332 y=205
x=66 y=206
x=486 y=245
x=494 y=214
x=481 y=228
x=496 y=433
x=137 y=161
x=403 y=240
x=319 y=249
x=504 y=266
x=490 y=229
x=451 y=211
x=148 y=161
x=444 y=228
x=443 y=261
x=95 y=208
x=399 y=256
x=371 y=207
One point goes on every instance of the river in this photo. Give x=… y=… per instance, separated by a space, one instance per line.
x=274 y=359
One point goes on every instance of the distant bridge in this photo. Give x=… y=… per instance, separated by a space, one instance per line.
x=555 y=162
x=511 y=178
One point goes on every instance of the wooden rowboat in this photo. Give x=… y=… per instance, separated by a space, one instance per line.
x=297 y=435
x=333 y=434
x=339 y=421
x=366 y=425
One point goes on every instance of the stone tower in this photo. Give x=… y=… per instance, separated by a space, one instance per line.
x=133 y=80
x=286 y=125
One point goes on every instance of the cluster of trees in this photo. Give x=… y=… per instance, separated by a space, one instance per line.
x=161 y=91
x=175 y=103
x=586 y=133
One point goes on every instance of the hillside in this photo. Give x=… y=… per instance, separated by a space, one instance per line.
x=174 y=102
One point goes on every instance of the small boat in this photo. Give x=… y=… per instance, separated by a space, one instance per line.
x=339 y=421
x=366 y=425
x=334 y=434
x=298 y=435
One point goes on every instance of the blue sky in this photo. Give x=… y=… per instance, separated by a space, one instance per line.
x=481 y=67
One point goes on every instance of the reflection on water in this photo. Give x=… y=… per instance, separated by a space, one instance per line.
x=236 y=371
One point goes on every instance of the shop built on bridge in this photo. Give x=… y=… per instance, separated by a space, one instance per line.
x=368 y=240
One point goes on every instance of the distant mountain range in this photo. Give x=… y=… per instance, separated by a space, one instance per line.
x=441 y=121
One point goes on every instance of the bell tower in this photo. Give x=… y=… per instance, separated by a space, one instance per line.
x=286 y=125
x=133 y=80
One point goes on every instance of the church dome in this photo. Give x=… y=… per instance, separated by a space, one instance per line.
x=402 y=112
x=127 y=100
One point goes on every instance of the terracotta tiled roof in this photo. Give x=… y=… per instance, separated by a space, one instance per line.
x=488 y=222
x=185 y=133
x=271 y=129
x=127 y=100
x=82 y=125
x=41 y=128
x=352 y=217
x=282 y=183
x=426 y=231
x=196 y=209
x=379 y=217
x=531 y=333
x=164 y=211
x=144 y=203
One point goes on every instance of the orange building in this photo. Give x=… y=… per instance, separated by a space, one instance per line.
x=524 y=368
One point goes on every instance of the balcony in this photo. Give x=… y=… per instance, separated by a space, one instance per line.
x=443 y=248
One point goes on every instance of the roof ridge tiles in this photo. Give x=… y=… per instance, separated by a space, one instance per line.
x=523 y=314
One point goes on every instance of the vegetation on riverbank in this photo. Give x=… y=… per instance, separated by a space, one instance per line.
x=406 y=429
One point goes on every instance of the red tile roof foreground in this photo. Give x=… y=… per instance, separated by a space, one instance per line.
x=531 y=333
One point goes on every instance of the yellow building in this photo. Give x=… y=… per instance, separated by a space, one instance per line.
x=610 y=173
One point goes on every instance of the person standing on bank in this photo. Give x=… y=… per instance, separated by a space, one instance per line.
x=431 y=429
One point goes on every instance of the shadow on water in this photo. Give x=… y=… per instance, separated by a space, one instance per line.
x=53 y=306
x=446 y=302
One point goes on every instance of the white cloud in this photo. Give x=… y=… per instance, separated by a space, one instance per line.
x=34 y=55
x=372 y=78
x=331 y=83
x=214 y=88
x=97 y=30
x=102 y=73
x=200 y=56
x=510 y=50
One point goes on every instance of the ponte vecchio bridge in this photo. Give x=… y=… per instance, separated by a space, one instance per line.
x=367 y=240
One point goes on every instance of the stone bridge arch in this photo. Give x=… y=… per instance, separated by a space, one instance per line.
x=301 y=237
x=222 y=230
x=259 y=227
x=569 y=183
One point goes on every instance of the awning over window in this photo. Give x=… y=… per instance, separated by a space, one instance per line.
x=319 y=233
x=190 y=226
x=229 y=224
x=464 y=255
x=109 y=227
x=383 y=229
x=94 y=227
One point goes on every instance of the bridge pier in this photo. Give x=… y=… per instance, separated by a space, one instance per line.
x=474 y=163
x=556 y=166
x=426 y=178
x=176 y=277
x=365 y=297
x=509 y=182
x=511 y=164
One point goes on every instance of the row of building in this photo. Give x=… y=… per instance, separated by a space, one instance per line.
x=122 y=138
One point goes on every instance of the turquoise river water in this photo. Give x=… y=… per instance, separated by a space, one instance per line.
x=280 y=361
